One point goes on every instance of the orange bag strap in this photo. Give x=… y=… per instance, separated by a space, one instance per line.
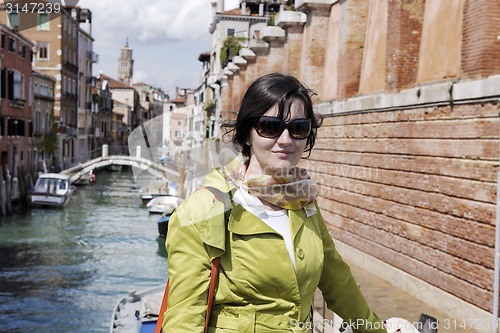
x=163 y=308
x=211 y=290
x=211 y=293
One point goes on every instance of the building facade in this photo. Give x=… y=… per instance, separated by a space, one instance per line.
x=85 y=84
x=42 y=112
x=407 y=157
x=16 y=128
x=151 y=99
x=56 y=48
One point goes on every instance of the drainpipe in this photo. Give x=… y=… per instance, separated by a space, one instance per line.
x=497 y=260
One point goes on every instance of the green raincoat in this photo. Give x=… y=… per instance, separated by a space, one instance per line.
x=258 y=290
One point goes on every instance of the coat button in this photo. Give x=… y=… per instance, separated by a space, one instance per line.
x=300 y=254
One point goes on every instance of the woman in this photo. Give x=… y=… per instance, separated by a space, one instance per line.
x=274 y=247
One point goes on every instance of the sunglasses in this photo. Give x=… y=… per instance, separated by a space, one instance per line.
x=272 y=127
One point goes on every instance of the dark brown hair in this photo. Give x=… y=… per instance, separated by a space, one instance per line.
x=264 y=93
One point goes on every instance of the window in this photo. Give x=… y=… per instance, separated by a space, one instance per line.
x=18 y=85
x=13 y=20
x=10 y=84
x=12 y=45
x=38 y=122
x=47 y=122
x=230 y=32
x=3 y=83
x=43 y=51
x=43 y=21
x=3 y=41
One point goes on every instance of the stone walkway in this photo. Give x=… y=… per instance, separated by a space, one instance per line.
x=387 y=301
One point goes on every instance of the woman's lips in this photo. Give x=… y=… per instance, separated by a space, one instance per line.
x=283 y=153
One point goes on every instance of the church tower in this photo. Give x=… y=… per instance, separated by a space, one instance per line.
x=126 y=65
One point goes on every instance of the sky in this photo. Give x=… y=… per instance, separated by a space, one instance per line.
x=166 y=37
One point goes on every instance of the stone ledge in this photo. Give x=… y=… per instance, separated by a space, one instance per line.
x=287 y=18
x=271 y=33
x=239 y=61
x=227 y=72
x=303 y=4
x=257 y=45
x=247 y=54
x=435 y=93
x=232 y=67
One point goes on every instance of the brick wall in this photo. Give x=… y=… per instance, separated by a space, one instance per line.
x=352 y=39
x=481 y=47
x=417 y=190
x=403 y=43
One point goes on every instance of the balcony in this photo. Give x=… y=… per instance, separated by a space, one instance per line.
x=17 y=103
x=70 y=67
x=94 y=57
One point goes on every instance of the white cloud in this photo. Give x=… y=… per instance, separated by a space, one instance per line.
x=166 y=36
x=140 y=76
x=152 y=19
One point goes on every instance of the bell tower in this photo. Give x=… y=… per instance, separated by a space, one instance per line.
x=126 y=65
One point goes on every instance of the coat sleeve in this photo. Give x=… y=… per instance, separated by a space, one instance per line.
x=341 y=292
x=189 y=266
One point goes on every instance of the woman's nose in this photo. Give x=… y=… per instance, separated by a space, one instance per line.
x=285 y=138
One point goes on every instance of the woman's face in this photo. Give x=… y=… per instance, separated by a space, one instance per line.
x=271 y=156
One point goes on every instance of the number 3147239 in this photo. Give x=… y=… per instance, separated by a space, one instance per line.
x=33 y=7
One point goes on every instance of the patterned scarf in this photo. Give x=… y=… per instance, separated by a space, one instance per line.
x=292 y=191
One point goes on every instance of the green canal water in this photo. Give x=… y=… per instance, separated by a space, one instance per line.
x=64 y=270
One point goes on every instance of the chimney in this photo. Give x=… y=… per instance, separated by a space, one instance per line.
x=243 y=8
x=176 y=92
x=220 y=6
x=214 y=8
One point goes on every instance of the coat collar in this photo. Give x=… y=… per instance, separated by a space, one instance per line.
x=240 y=221
x=243 y=222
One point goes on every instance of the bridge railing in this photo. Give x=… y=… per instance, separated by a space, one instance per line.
x=90 y=155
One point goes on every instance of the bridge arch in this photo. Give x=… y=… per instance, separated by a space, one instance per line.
x=138 y=163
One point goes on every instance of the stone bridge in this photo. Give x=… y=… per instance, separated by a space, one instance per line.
x=138 y=162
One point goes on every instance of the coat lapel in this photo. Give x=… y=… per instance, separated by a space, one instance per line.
x=243 y=222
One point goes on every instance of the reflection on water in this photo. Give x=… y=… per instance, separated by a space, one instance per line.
x=64 y=270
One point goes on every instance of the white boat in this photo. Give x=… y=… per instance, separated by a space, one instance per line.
x=157 y=188
x=163 y=204
x=137 y=312
x=51 y=190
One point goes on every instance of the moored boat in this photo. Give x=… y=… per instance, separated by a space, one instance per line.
x=51 y=190
x=156 y=189
x=163 y=225
x=137 y=312
x=163 y=204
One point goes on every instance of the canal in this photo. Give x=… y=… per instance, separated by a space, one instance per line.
x=64 y=270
